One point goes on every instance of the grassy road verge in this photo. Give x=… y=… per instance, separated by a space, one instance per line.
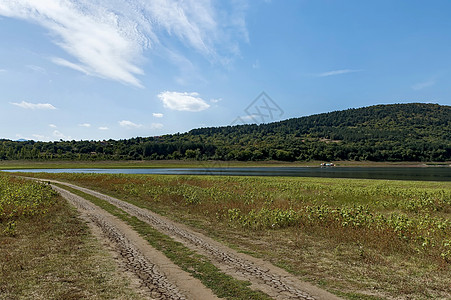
x=47 y=252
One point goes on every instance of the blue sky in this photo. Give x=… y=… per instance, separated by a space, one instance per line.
x=101 y=69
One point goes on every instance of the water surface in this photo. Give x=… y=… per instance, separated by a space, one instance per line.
x=391 y=173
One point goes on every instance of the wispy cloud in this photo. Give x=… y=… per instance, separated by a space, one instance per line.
x=129 y=124
x=103 y=128
x=2 y=70
x=87 y=125
x=337 y=72
x=28 y=105
x=156 y=126
x=37 y=69
x=52 y=126
x=68 y=64
x=183 y=101
x=108 y=38
x=157 y=115
x=423 y=85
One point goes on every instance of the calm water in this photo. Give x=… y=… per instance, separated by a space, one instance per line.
x=413 y=173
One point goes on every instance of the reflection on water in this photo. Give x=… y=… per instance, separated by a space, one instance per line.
x=399 y=173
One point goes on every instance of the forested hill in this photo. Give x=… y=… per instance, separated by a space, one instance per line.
x=397 y=132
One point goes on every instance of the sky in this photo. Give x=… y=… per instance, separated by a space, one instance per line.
x=117 y=69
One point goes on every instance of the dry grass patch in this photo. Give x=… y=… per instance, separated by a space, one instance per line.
x=54 y=256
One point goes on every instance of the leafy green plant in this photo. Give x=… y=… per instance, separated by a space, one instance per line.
x=21 y=199
x=406 y=215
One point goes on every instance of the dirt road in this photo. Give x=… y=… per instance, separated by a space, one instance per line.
x=158 y=276
x=161 y=277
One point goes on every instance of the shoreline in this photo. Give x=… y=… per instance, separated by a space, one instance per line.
x=145 y=164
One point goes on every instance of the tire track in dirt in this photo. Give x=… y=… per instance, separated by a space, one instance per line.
x=159 y=277
x=272 y=280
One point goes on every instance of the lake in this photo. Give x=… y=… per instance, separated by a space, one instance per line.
x=390 y=173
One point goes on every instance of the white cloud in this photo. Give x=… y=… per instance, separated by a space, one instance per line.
x=249 y=118
x=40 y=137
x=28 y=105
x=156 y=126
x=129 y=124
x=216 y=100
x=183 y=101
x=103 y=128
x=337 y=72
x=157 y=115
x=422 y=85
x=87 y=125
x=52 y=126
x=107 y=38
x=37 y=69
x=59 y=135
x=65 y=63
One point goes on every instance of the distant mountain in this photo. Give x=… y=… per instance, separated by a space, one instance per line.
x=396 y=132
x=21 y=140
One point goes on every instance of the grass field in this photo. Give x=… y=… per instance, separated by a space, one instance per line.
x=47 y=251
x=361 y=239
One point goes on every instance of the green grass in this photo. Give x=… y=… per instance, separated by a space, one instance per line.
x=359 y=237
x=51 y=254
x=200 y=267
x=357 y=296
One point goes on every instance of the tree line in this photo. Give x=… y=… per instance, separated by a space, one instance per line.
x=398 y=132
